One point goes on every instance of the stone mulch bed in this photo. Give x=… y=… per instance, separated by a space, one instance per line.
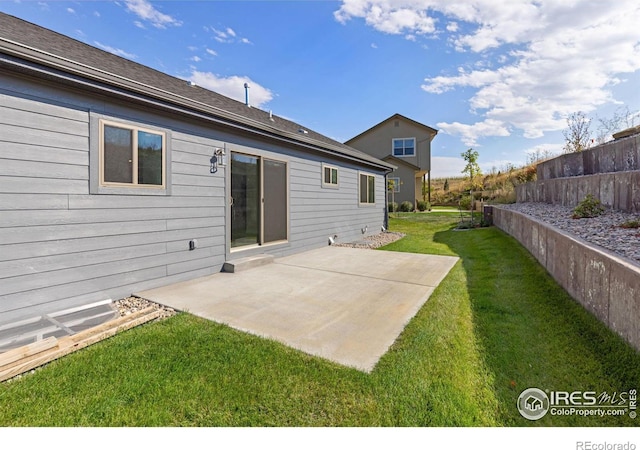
x=605 y=230
x=129 y=305
x=374 y=241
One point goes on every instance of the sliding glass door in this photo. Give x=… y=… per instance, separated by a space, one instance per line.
x=275 y=201
x=259 y=206
x=245 y=206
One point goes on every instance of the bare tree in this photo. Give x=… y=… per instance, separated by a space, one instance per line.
x=537 y=155
x=577 y=136
x=622 y=119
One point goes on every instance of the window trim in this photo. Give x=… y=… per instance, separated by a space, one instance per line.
x=404 y=155
x=96 y=151
x=134 y=133
x=331 y=168
x=396 y=186
x=368 y=175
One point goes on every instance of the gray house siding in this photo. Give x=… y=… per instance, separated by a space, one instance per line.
x=315 y=213
x=62 y=246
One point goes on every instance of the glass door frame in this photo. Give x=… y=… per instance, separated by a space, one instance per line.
x=229 y=202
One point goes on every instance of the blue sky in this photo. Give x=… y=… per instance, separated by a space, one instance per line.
x=497 y=76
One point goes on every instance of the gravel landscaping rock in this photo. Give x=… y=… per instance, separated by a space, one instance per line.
x=604 y=230
x=129 y=305
x=374 y=241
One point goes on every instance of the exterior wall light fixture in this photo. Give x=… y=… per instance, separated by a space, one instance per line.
x=217 y=159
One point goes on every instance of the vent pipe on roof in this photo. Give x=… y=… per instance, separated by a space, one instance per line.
x=271 y=116
x=246 y=95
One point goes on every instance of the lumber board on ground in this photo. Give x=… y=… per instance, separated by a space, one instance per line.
x=25 y=351
x=70 y=344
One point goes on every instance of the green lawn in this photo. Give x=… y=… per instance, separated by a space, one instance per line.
x=496 y=325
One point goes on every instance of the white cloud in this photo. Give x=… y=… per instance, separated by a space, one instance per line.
x=211 y=52
x=221 y=36
x=446 y=166
x=139 y=24
x=115 y=51
x=540 y=59
x=373 y=45
x=228 y=36
x=196 y=58
x=471 y=133
x=71 y=10
x=387 y=18
x=233 y=87
x=144 y=10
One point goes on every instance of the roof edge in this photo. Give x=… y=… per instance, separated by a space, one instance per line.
x=53 y=61
x=431 y=130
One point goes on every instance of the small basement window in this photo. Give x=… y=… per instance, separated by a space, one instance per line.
x=131 y=156
x=367 y=188
x=329 y=176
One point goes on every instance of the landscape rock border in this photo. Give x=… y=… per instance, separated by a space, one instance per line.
x=374 y=240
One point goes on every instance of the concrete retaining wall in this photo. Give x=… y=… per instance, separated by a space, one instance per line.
x=621 y=155
x=610 y=172
x=607 y=285
x=616 y=190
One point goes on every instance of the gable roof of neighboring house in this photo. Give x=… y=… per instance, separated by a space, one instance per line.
x=428 y=129
x=29 y=48
x=398 y=161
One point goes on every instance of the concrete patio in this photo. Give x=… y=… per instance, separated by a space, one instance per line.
x=343 y=304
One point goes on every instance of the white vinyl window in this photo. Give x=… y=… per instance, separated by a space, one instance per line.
x=329 y=176
x=367 y=188
x=132 y=156
x=404 y=147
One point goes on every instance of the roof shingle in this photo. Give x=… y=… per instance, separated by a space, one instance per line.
x=56 y=50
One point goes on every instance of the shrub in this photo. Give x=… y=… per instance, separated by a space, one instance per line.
x=393 y=207
x=589 y=207
x=631 y=224
x=406 y=206
x=527 y=174
x=424 y=206
x=465 y=202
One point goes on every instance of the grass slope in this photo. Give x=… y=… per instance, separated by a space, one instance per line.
x=497 y=324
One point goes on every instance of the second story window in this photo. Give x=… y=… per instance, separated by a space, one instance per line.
x=404 y=147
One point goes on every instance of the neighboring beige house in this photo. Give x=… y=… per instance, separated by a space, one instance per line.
x=404 y=143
